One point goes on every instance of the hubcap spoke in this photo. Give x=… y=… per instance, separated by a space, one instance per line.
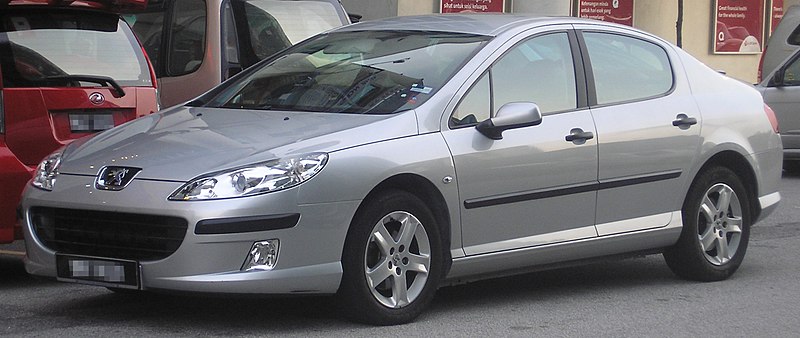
x=400 y=290
x=724 y=199
x=382 y=238
x=708 y=210
x=377 y=275
x=723 y=254
x=407 y=230
x=708 y=239
x=734 y=225
x=418 y=263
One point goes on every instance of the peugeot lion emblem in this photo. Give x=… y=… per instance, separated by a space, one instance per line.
x=115 y=178
x=97 y=98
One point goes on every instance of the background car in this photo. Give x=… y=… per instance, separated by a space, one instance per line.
x=781 y=91
x=383 y=159
x=67 y=72
x=785 y=39
x=196 y=44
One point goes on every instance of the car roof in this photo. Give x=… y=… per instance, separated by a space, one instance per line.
x=480 y=24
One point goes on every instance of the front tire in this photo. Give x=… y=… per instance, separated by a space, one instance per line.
x=716 y=228
x=392 y=261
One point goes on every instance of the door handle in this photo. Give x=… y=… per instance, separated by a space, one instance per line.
x=683 y=121
x=578 y=135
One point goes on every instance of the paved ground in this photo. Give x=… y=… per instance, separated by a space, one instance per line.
x=633 y=297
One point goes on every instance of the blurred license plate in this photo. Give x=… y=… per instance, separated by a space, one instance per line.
x=98 y=271
x=89 y=123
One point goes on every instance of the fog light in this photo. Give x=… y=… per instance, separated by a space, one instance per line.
x=263 y=255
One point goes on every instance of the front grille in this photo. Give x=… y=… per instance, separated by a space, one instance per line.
x=108 y=234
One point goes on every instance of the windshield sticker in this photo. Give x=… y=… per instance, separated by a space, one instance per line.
x=421 y=89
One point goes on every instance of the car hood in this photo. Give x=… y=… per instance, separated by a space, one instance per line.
x=187 y=142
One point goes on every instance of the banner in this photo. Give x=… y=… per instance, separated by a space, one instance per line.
x=472 y=6
x=739 y=26
x=775 y=14
x=617 y=11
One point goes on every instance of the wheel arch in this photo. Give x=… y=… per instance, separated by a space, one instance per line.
x=737 y=163
x=425 y=190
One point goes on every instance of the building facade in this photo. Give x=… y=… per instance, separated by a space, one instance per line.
x=703 y=22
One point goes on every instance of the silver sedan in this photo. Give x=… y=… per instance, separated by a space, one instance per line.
x=384 y=159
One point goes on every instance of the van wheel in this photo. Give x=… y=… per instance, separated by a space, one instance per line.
x=716 y=228
x=392 y=261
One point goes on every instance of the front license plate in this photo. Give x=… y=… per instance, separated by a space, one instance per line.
x=98 y=271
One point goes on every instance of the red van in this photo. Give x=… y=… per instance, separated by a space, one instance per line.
x=68 y=69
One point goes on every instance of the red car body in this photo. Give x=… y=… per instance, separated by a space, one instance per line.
x=64 y=91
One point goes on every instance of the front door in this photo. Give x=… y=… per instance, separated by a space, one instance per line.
x=533 y=186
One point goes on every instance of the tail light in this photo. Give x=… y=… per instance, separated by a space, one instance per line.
x=2 y=114
x=772 y=119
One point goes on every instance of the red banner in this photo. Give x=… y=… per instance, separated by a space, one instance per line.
x=472 y=6
x=617 y=11
x=739 y=26
x=776 y=14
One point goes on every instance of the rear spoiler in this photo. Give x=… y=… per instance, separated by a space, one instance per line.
x=106 y=5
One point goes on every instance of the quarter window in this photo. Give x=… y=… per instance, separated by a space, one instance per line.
x=626 y=68
x=187 y=37
x=539 y=70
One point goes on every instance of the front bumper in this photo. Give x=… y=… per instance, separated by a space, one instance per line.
x=308 y=260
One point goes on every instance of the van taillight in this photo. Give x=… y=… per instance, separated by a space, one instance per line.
x=772 y=119
x=2 y=114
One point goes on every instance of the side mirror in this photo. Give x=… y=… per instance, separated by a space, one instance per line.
x=510 y=116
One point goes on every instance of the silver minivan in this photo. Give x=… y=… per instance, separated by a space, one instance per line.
x=196 y=44
x=781 y=91
x=783 y=41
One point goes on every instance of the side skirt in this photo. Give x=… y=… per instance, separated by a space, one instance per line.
x=550 y=256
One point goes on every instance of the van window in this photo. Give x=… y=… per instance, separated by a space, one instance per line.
x=269 y=26
x=184 y=51
x=794 y=38
x=187 y=40
x=41 y=48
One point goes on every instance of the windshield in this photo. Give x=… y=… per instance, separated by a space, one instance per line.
x=376 y=72
x=43 y=48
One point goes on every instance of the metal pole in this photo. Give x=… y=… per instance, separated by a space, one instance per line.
x=679 y=25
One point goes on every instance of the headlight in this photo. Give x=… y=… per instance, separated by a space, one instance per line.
x=254 y=179
x=46 y=172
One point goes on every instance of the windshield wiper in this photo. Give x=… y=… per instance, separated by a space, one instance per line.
x=101 y=80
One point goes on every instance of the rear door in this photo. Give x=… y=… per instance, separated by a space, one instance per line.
x=51 y=60
x=649 y=127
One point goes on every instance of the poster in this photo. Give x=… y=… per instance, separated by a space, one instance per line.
x=617 y=11
x=775 y=14
x=472 y=6
x=739 y=26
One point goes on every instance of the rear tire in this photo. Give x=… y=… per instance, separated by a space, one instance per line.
x=716 y=228
x=392 y=261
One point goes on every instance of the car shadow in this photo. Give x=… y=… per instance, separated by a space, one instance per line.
x=243 y=315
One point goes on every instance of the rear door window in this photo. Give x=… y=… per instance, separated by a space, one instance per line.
x=626 y=68
x=40 y=48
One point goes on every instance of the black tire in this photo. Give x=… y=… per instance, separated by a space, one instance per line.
x=723 y=227
x=379 y=305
